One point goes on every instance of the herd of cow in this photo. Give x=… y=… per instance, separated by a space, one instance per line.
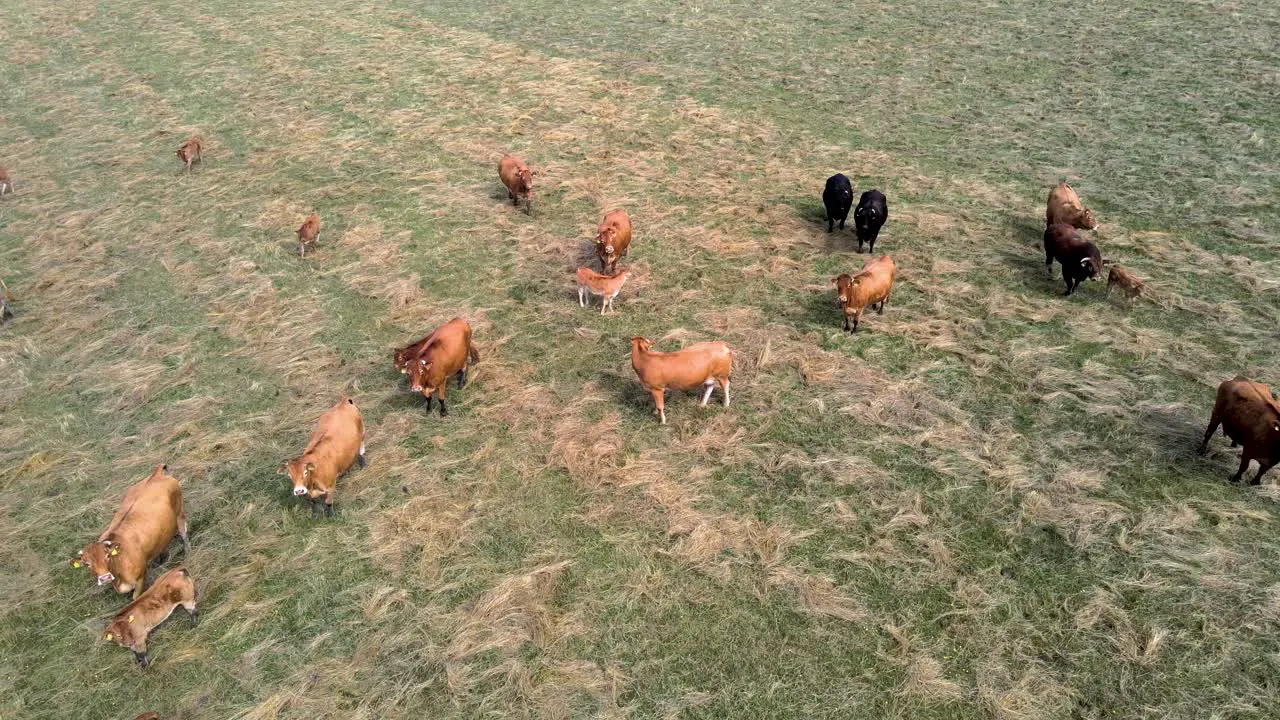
x=151 y=513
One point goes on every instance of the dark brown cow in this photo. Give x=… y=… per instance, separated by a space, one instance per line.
x=1251 y=419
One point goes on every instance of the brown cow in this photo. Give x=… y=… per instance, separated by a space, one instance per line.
x=6 y=182
x=1063 y=206
x=606 y=286
x=1250 y=417
x=149 y=516
x=190 y=151
x=308 y=233
x=447 y=352
x=6 y=298
x=519 y=180
x=1128 y=283
x=868 y=288
x=133 y=625
x=701 y=365
x=336 y=444
x=612 y=239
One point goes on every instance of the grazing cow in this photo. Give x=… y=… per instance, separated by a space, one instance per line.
x=149 y=516
x=447 y=353
x=1250 y=417
x=869 y=288
x=1128 y=283
x=1079 y=258
x=606 y=286
x=1063 y=206
x=6 y=182
x=837 y=196
x=336 y=444
x=131 y=626
x=701 y=365
x=519 y=180
x=872 y=212
x=6 y=297
x=308 y=233
x=612 y=239
x=189 y=151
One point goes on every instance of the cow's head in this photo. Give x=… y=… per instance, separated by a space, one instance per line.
x=605 y=240
x=1087 y=221
x=865 y=215
x=401 y=359
x=1092 y=267
x=641 y=344
x=419 y=372
x=96 y=556
x=126 y=631
x=299 y=472
x=844 y=284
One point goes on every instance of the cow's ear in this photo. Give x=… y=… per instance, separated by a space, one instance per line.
x=308 y=469
x=283 y=469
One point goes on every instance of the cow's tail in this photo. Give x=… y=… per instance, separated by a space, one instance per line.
x=473 y=355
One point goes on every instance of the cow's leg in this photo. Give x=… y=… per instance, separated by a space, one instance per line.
x=724 y=385
x=884 y=300
x=190 y=607
x=315 y=507
x=871 y=247
x=440 y=396
x=361 y=458
x=657 y=404
x=462 y=377
x=1214 y=421
x=182 y=533
x=1244 y=465
x=429 y=398
x=302 y=249
x=512 y=197
x=846 y=216
x=855 y=323
x=710 y=385
x=328 y=504
x=860 y=241
x=1264 y=464
x=846 y=324
x=582 y=296
x=831 y=223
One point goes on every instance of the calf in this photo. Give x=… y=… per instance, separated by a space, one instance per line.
x=837 y=197
x=1079 y=258
x=1063 y=206
x=447 y=353
x=1251 y=419
x=6 y=182
x=701 y=365
x=308 y=233
x=149 y=516
x=133 y=625
x=606 y=286
x=336 y=444
x=519 y=180
x=1128 y=283
x=868 y=288
x=613 y=237
x=872 y=212
x=189 y=151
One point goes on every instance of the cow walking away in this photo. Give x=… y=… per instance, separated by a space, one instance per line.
x=872 y=212
x=1250 y=418
x=6 y=182
x=837 y=197
x=308 y=233
x=191 y=152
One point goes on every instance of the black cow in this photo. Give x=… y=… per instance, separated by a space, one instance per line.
x=872 y=212
x=838 y=197
x=1080 y=258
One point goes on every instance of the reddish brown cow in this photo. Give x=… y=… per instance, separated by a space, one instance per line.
x=149 y=516
x=308 y=233
x=190 y=151
x=336 y=444
x=1128 y=283
x=6 y=182
x=519 y=180
x=612 y=239
x=868 y=288
x=1251 y=419
x=133 y=625
x=448 y=353
x=701 y=365
x=1063 y=206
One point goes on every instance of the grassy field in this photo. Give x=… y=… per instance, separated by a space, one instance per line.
x=987 y=504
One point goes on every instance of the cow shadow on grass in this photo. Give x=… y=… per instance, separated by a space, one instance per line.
x=1174 y=434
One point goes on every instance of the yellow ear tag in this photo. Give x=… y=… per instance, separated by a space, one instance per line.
x=114 y=552
x=109 y=636
x=130 y=618
x=75 y=563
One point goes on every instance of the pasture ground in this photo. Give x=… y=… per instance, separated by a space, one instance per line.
x=985 y=505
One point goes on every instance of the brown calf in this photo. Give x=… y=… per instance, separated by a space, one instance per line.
x=701 y=365
x=612 y=239
x=1063 y=206
x=133 y=625
x=1251 y=419
x=606 y=286
x=519 y=180
x=868 y=288
x=1128 y=283
x=6 y=182
x=308 y=233
x=447 y=352
x=149 y=516
x=336 y=444
x=189 y=151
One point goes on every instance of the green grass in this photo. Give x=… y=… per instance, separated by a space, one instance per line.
x=986 y=504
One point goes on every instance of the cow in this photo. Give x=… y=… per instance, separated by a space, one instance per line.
x=448 y=353
x=869 y=288
x=150 y=514
x=872 y=212
x=1250 y=417
x=518 y=179
x=6 y=297
x=190 y=151
x=1063 y=206
x=336 y=444
x=837 y=197
x=1079 y=258
x=133 y=625
x=308 y=233
x=6 y=182
x=148 y=716
x=1128 y=283
x=701 y=365
x=613 y=237
x=606 y=286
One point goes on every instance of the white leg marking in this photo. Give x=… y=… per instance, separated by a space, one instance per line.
x=581 y=300
x=711 y=384
x=361 y=448
x=725 y=385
